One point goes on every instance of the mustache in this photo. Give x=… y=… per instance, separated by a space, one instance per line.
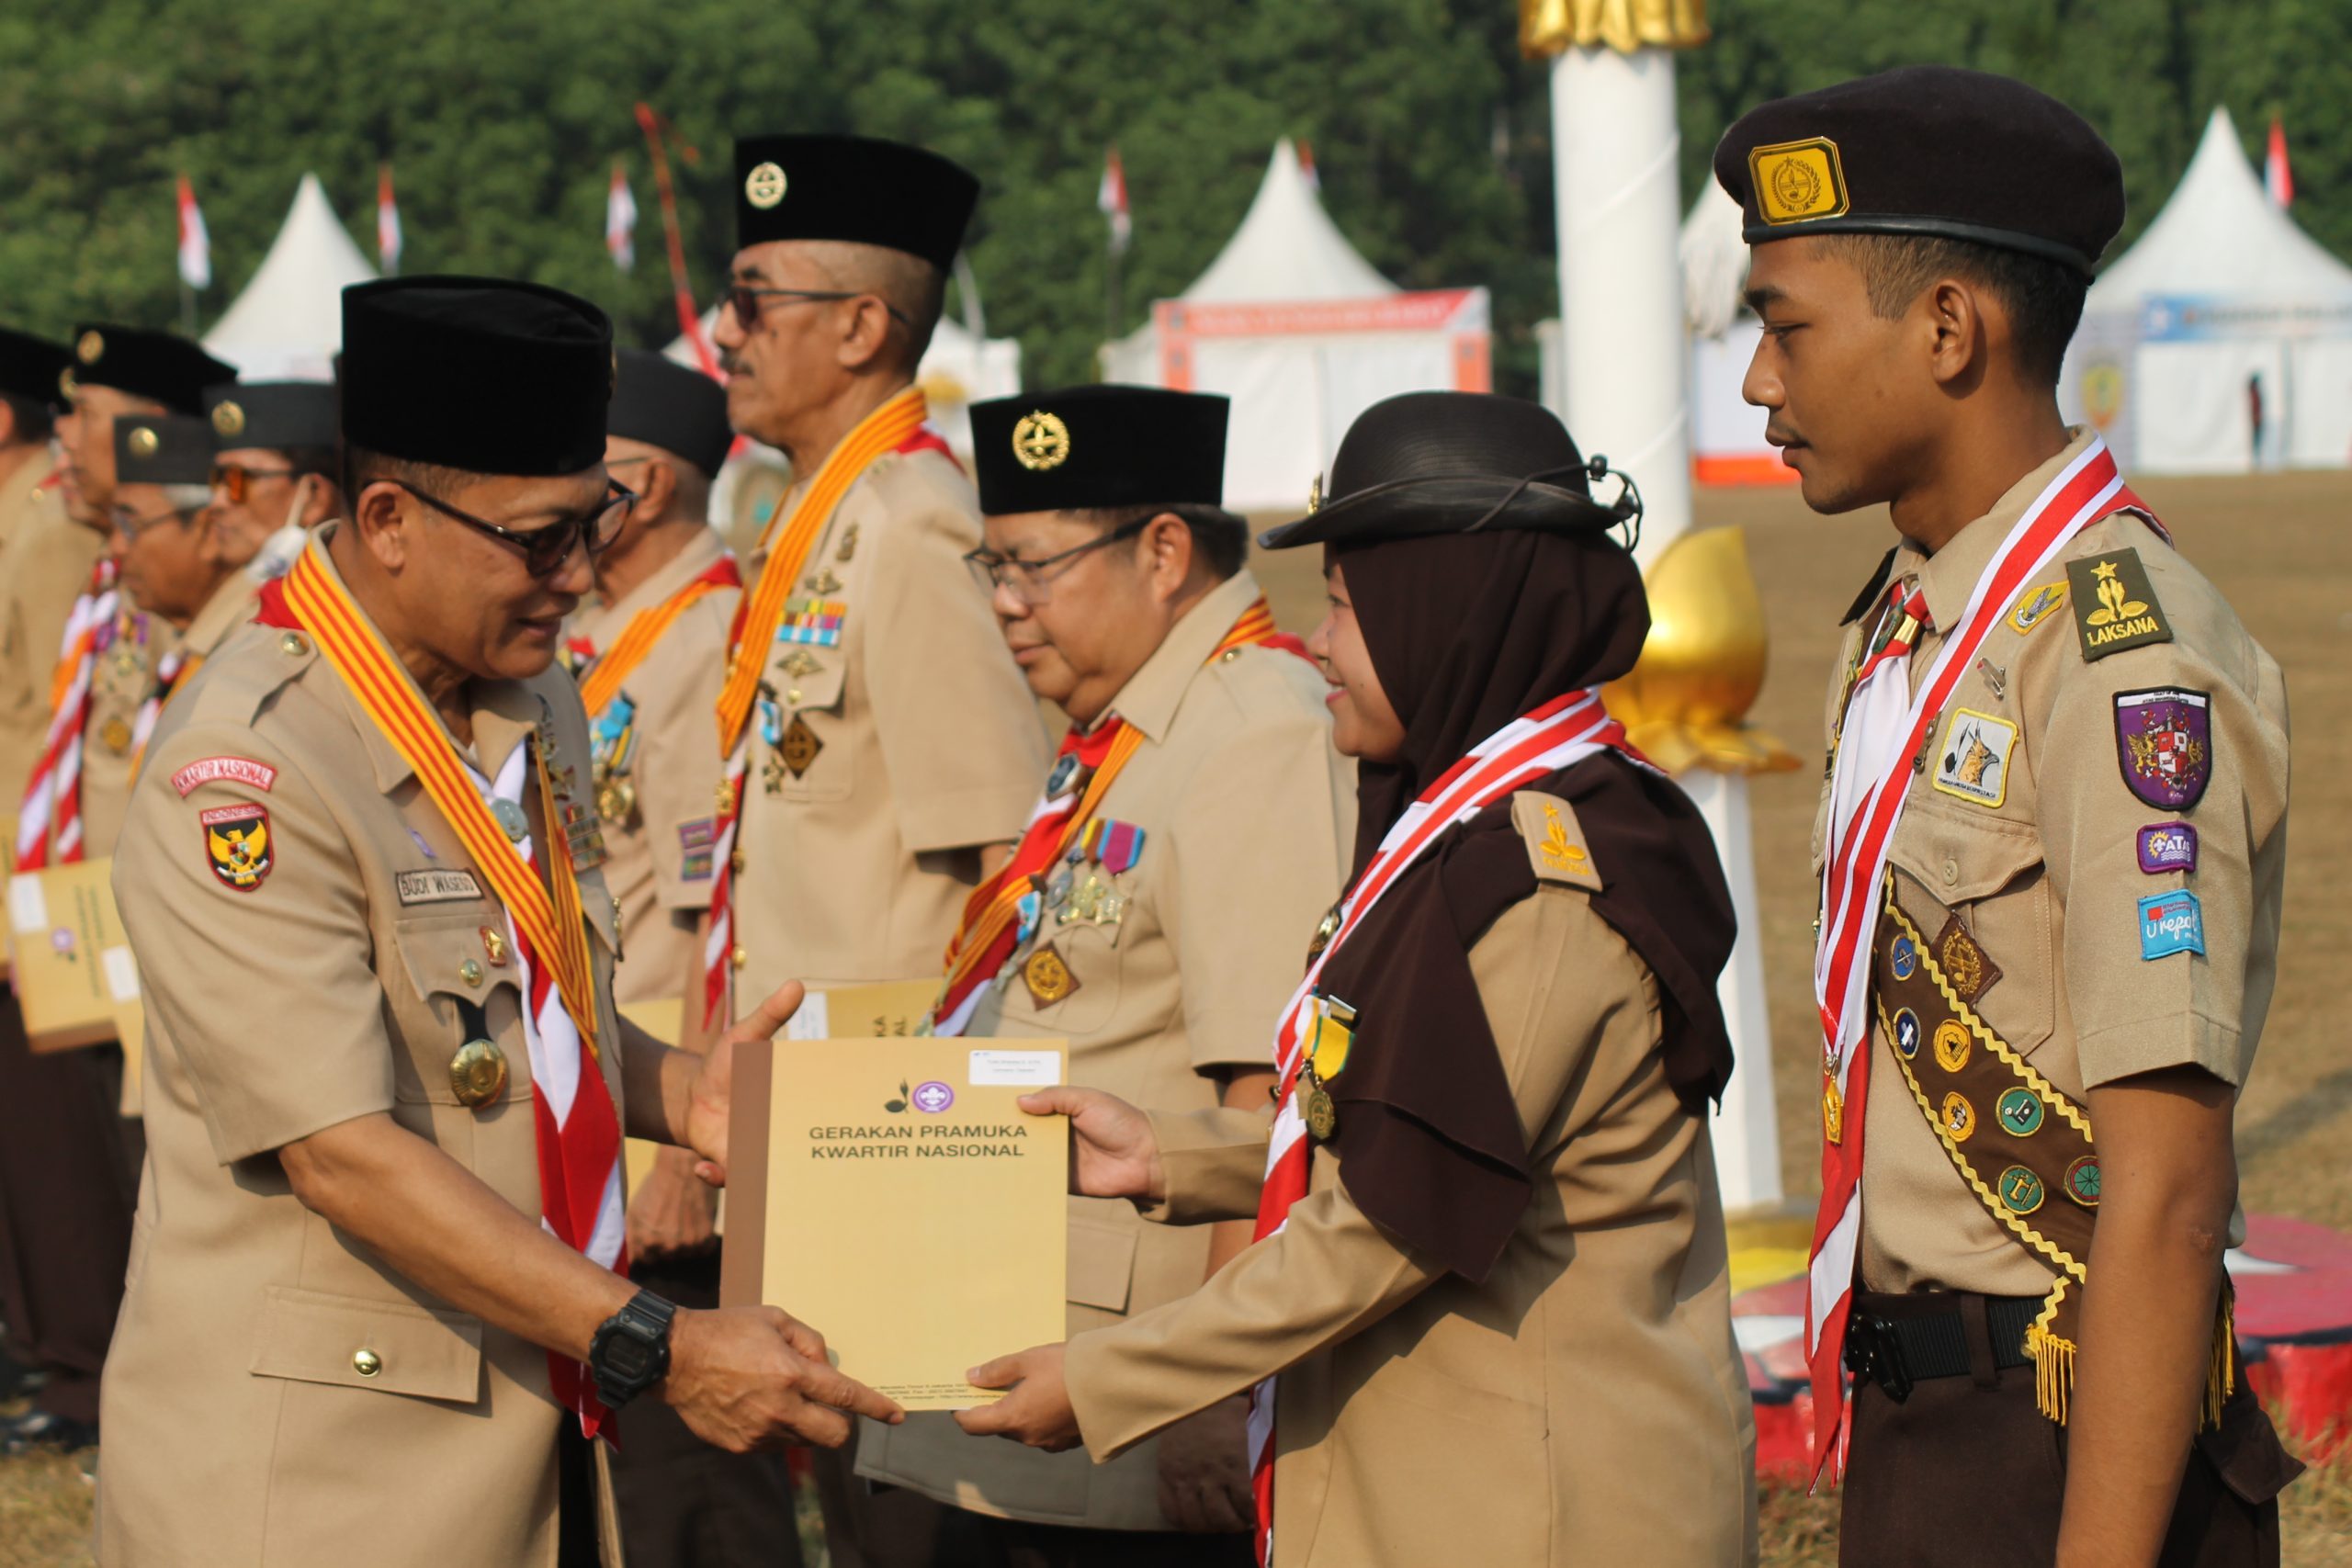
x=732 y=364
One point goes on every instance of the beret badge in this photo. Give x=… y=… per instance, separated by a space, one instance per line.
x=89 y=347
x=228 y=419
x=145 y=442
x=1041 y=441
x=1796 y=181
x=764 y=186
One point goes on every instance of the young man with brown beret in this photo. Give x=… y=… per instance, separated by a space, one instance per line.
x=2051 y=836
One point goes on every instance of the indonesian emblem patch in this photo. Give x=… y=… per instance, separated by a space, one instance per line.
x=236 y=844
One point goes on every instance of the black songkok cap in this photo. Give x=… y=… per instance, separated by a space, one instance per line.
x=274 y=416
x=853 y=187
x=1423 y=463
x=663 y=403
x=160 y=366
x=483 y=373
x=30 y=366
x=1927 y=150
x=175 y=449
x=1087 y=447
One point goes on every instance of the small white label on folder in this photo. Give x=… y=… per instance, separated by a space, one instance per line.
x=811 y=1021
x=28 y=910
x=1026 y=1069
x=122 y=973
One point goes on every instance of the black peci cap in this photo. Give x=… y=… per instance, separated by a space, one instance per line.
x=30 y=366
x=1927 y=150
x=483 y=373
x=1426 y=463
x=853 y=187
x=664 y=404
x=163 y=366
x=172 y=449
x=274 y=416
x=1086 y=447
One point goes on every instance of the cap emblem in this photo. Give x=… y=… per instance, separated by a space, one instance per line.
x=228 y=419
x=1315 y=496
x=89 y=347
x=764 y=186
x=1041 y=441
x=1797 y=181
x=66 y=384
x=144 y=441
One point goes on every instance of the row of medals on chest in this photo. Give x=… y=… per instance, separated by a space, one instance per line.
x=478 y=1072
x=793 y=749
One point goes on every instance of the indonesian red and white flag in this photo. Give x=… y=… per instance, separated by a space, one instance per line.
x=196 y=245
x=387 y=221
x=1111 y=200
x=1306 y=166
x=2277 y=179
x=620 y=220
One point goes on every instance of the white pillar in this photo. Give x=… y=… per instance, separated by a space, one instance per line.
x=1616 y=154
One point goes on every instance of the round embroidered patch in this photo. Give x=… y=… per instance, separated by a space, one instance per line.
x=1907 y=1032
x=2020 y=1190
x=2020 y=1113
x=1951 y=1045
x=1958 y=1118
x=2082 y=1180
x=1903 y=958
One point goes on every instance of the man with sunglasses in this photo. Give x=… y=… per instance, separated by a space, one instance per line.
x=273 y=469
x=1194 y=827
x=71 y=1172
x=378 y=1279
x=882 y=750
x=56 y=1301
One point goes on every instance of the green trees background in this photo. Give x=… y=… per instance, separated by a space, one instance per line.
x=1431 y=135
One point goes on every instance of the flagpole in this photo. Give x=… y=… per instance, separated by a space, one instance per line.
x=1111 y=286
x=187 y=310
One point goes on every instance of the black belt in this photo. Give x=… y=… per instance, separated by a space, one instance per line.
x=1896 y=1352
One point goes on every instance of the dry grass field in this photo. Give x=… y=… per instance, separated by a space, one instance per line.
x=2280 y=547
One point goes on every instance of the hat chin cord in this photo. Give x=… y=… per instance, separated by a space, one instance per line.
x=1627 y=506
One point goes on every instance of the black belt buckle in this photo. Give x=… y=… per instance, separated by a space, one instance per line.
x=1874 y=1352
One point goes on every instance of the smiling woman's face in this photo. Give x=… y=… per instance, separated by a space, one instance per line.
x=1363 y=724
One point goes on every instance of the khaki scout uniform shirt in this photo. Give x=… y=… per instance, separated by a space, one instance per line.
x=1585 y=1404
x=123 y=679
x=661 y=865
x=45 y=562
x=856 y=868
x=2047 y=879
x=240 y=1427
x=230 y=606
x=1248 y=816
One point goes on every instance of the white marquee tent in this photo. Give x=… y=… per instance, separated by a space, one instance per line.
x=2221 y=340
x=1302 y=335
x=288 y=324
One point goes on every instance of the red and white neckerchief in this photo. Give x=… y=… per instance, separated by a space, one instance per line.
x=583 y=1200
x=895 y=427
x=1887 y=724
x=54 y=794
x=1558 y=735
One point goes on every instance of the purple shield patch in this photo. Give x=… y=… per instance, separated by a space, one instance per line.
x=2163 y=742
x=2167 y=846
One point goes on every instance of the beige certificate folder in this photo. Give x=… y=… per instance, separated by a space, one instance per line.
x=73 y=976
x=892 y=1195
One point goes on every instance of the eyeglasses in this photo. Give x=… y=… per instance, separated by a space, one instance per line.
x=131 y=527
x=235 y=481
x=748 y=302
x=1031 y=581
x=546 y=550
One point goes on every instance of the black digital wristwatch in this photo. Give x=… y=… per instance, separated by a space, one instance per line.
x=630 y=1351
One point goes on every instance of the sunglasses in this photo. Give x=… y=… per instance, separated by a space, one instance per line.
x=235 y=481
x=749 y=303
x=546 y=550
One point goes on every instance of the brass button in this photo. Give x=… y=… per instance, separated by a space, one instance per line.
x=1228 y=656
x=477 y=1073
x=469 y=972
x=792 y=695
x=297 y=644
x=735 y=863
x=1951 y=872
x=738 y=957
x=365 y=1362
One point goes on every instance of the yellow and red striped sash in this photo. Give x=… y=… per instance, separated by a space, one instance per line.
x=617 y=663
x=555 y=928
x=994 y=905
x=788 y=542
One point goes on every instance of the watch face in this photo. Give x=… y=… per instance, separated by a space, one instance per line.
x=628 y=1357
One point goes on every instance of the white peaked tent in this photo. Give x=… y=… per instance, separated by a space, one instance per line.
x=288 y=324
x=2221 y=340
x=1302 y=335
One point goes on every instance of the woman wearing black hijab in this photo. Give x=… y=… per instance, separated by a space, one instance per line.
x=1492 y=1274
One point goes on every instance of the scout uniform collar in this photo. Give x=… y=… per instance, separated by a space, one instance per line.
x=1948 y=576
x=223 y=613
x=505 y=711
x=702 y=551
x=1153 y=694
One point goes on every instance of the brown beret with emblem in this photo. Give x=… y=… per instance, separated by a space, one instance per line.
x=853 y=187
x=1927 y=150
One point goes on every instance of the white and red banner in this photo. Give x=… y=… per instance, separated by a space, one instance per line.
x=2277 y=179
x=196 y=245
x=387 y=221
x=620 y=220
x=1111 y=200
